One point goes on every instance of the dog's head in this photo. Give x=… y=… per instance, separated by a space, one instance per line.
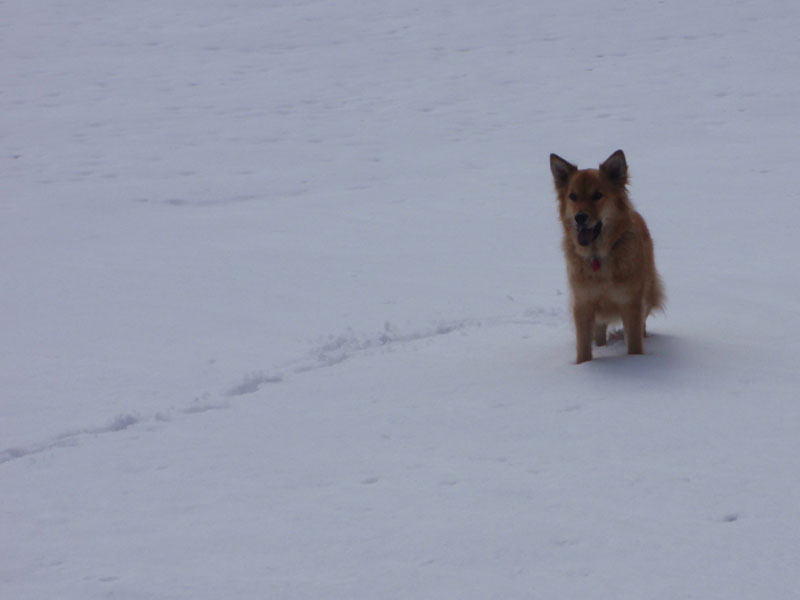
x=589 y=199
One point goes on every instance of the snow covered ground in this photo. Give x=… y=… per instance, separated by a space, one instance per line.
x=284 y=313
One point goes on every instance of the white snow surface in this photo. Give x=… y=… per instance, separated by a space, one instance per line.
x=284 y=313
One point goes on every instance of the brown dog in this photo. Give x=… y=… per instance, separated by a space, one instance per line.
x=609 y=253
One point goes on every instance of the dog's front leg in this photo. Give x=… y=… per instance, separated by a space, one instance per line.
x=584 y=327
x=633 y=324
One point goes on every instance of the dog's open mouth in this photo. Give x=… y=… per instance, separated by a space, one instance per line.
x=586 y=235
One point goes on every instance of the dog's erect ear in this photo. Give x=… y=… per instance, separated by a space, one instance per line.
x=561 y=170
x=615 y=168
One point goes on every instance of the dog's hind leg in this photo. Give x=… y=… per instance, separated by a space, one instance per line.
x=600 y=334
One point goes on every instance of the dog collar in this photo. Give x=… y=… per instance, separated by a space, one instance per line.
x=595 y=264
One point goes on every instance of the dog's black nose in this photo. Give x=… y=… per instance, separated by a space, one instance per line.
x=581 y=218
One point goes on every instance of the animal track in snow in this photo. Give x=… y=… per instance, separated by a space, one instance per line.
x=334 y=351
x=70 y=438
x=252 y=383
x=119 y=423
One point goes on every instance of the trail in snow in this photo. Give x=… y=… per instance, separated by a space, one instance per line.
x=336 y=350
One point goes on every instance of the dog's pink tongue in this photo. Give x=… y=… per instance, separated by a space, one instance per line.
x=585 y=236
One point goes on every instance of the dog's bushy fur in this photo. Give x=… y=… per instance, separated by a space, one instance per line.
x=609 y=253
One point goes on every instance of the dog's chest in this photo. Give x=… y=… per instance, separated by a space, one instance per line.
x=597 y=286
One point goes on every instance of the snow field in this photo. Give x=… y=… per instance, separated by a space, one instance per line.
x=284 y=313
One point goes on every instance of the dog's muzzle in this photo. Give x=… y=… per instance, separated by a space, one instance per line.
x=587 y=235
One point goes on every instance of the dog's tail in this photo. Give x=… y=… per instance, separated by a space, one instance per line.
x=656 y=297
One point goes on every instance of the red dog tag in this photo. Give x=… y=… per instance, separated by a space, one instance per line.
x=595 y=264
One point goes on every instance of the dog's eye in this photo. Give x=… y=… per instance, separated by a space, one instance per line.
x=596 y=196
x=573 y=196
